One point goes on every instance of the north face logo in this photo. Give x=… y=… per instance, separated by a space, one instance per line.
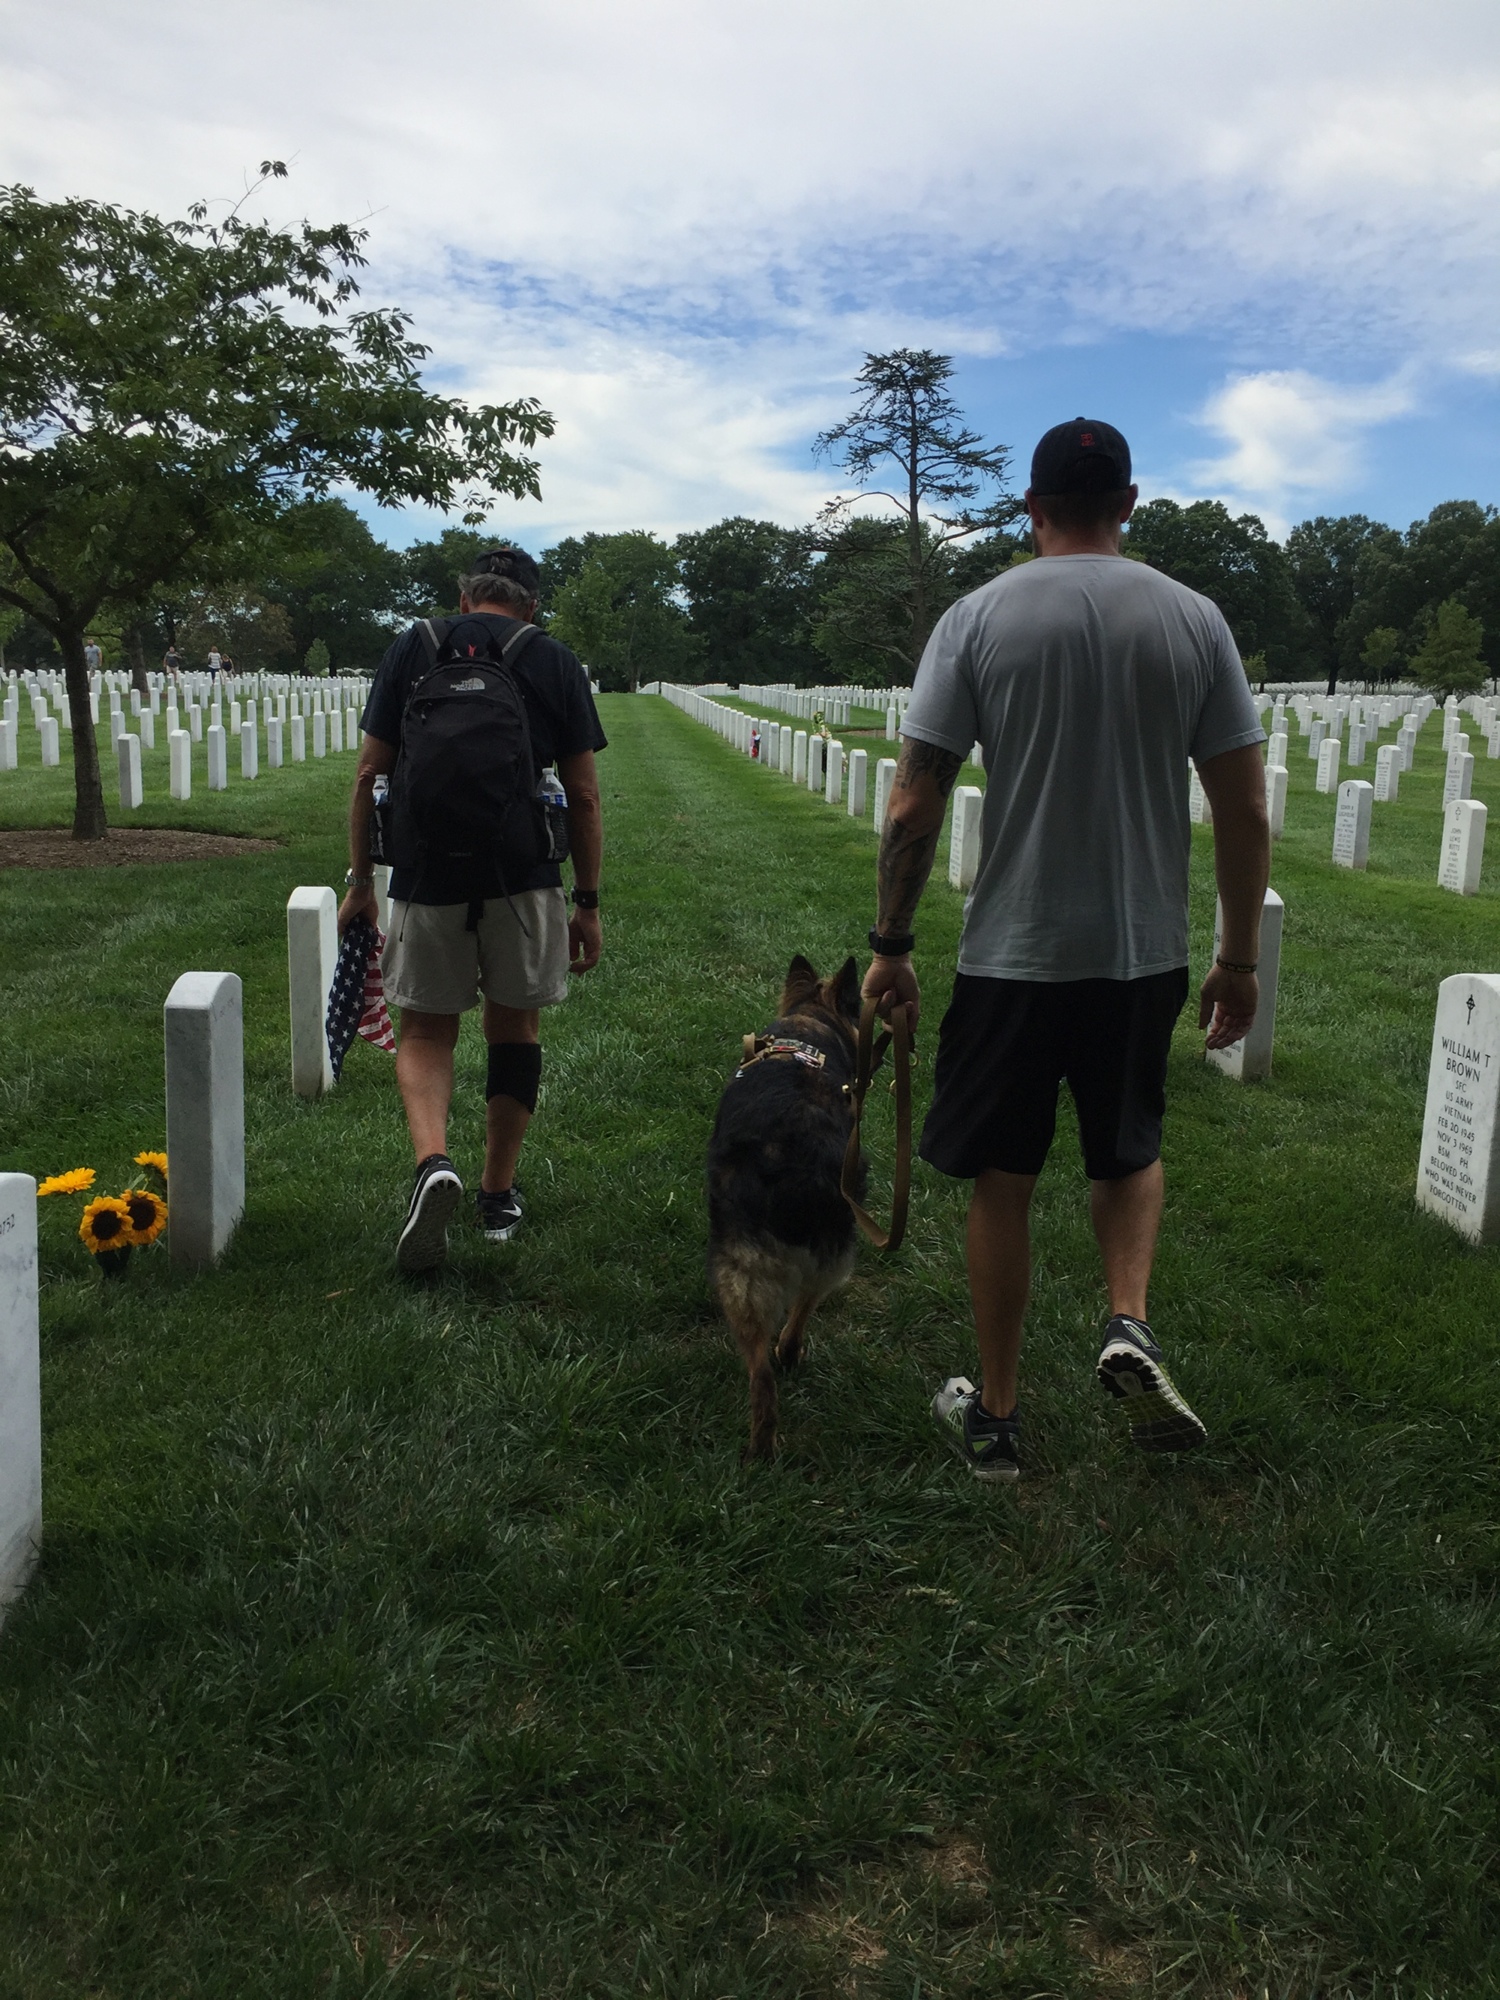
x=475 y=686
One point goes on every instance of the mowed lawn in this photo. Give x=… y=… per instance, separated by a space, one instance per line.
x=435 y=1641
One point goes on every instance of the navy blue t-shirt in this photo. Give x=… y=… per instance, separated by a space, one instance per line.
x=559 y=710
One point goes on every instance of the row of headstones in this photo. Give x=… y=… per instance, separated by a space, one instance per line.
x=1461 y=849
x=822 y=766
x=835 y=704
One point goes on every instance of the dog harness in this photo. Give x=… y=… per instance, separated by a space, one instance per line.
x=767 y=1048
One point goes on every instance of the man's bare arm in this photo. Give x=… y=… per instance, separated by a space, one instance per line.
x=580 y=781
x=1236 y=786
x=908 y=843
x=913 y=822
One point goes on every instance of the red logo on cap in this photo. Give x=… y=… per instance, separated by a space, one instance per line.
x=1086 y=437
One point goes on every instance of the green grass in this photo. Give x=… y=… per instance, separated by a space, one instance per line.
x=436 y=1642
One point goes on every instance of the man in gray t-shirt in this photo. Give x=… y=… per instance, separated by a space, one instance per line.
x=1089 y=680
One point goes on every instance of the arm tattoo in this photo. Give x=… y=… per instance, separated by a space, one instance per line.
x=906 y=855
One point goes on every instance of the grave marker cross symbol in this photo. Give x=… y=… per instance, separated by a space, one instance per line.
x=1471 y=1010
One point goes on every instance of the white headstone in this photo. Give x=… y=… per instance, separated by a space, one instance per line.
x=336 y=729
x=815 y=748
x=1328 y=765
x=1351 y=823
x=1316 y=737
x=180 y=756
x=1357 y=740
x=1406 y=743
x=10 y=730
x=320 y=734
x=799 y=757
x=859 y=763
x=129 y=748
x=833 y=783
x=205 y=1043
x=1249 y=1059
x=312 y=949
x=299 y=740
x=1276 y=783
x=1463 y=846
x=885 y=777
x=892 y=723
x=47 y=730
x=1458 y=779
x=963 y=837
x=1387 y=773
x=148 y=729
x=1276 y=747
x=1199 y=811
x=249 y=751
x=20 y=1386
x=218 y=767
x=1458 y=1174
x=273 y=743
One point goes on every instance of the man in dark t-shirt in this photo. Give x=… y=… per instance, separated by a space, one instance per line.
x=457 y=936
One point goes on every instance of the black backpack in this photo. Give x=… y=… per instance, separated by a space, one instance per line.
x=463 y=793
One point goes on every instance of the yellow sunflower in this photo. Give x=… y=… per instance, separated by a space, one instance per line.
x=106 y=1225
x=158 y=1161
x=148 y=1215
x=74 y=1181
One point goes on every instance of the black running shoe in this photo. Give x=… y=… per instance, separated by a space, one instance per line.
x=423 y=1243
x=1130 y=1369
x=986 y=1444
x=498 y=1215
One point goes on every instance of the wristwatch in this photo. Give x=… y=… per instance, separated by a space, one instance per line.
x=891 y=947
x=353 y=881
x=585 y=899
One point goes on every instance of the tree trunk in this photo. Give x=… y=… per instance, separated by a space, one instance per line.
x=89 y=822
x=136 y=651
x=1333 y=681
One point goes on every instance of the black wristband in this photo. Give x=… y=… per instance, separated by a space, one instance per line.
x=585 y=899
x=891 y=947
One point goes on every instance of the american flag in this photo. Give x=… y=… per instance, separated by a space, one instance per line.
x=356 y=999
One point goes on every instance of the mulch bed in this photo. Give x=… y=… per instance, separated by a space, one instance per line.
x=53 y=847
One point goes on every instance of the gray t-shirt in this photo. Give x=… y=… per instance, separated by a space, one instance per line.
x=1090 y=681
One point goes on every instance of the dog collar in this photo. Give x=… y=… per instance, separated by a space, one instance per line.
x=763 y=1048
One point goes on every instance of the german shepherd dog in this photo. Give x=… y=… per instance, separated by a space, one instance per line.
x=781 y=1236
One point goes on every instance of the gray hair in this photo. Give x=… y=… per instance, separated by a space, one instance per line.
x=484 y=587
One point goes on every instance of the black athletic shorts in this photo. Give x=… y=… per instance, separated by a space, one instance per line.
x=1006 y=1044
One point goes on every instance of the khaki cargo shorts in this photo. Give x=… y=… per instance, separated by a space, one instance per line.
x=434 y=964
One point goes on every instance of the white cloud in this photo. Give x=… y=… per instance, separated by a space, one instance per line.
x=1292 y=437
x=680 y=223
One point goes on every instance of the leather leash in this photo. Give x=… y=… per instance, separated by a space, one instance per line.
x=869 y=1056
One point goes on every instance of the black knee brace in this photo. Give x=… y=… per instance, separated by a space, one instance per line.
x=515 y=1071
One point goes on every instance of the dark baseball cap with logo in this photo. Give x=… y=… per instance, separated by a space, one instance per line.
x=511 y=562
x=1085 y=456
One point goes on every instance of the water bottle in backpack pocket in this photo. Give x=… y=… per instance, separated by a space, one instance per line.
x=552 y=814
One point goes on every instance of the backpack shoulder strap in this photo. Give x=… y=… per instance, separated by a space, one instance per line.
x=516 y=642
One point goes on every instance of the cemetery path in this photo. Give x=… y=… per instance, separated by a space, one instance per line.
x=428 y=1642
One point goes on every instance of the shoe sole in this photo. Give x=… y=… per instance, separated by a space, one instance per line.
x=501 y=1235
x=1159 y=1419
x=423 y=1242
x=1004 y=1474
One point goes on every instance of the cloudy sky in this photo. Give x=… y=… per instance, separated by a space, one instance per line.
x=1260 y=237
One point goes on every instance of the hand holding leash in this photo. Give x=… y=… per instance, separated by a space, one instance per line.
x=892 y=982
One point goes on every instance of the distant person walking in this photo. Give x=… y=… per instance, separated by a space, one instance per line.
x=215 y=661
x=171 y=661
x=93 y=657
x=1089 y=680
x=465 y=717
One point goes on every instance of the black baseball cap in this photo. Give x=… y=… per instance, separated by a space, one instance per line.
x=511 y=562
x=1085 y=456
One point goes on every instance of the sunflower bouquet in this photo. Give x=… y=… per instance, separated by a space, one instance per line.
x=112 y=1225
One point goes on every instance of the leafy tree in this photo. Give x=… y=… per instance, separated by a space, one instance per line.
x=315 y=660
x=255 y=633
x=905 y=421
x=430 y=571
x=1323 y=557
x=334 y=581
x=1450 y=660
x=165 y=386
x=1231 y=559
x=10 y=624
x=619 y=613
x=863 y=625
x=1402 y=579
x=1381 y=653
x=749 y=587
